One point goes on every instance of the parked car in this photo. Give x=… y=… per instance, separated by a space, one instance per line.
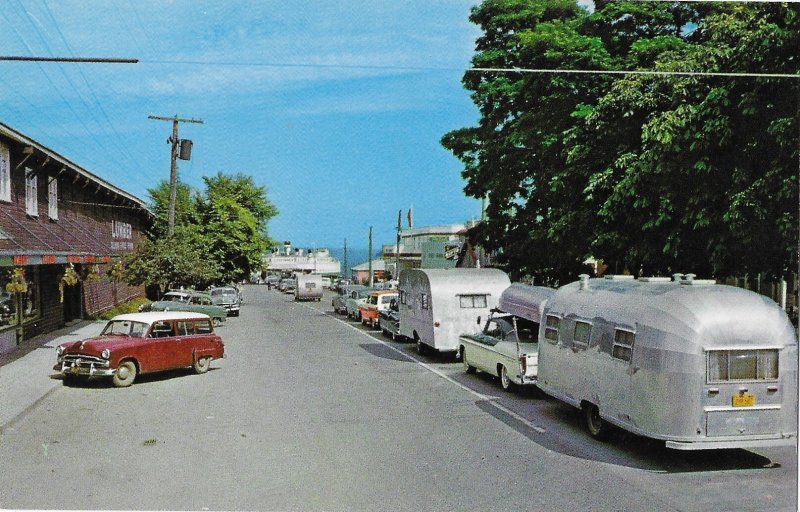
x=182 y=300
x=389 y=321
x=272 y=281
x=354 y=301
x=139 y=343
x=508 y=345
x=339 y=302
x=287 y=285
x=228 y=297
x=326 y=282
x=376 y=302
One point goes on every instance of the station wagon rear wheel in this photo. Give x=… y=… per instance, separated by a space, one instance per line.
x=467 y=367
x=597 y=428
x=202 y=365
x=125 y=374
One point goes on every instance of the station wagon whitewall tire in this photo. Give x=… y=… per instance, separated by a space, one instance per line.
x=202 y=365
x=125 y=374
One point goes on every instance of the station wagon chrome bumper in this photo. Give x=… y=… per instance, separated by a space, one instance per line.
x=83 y=365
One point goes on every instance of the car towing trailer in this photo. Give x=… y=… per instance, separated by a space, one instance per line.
x=438 y=305
x=687 y=361
x=508 y=346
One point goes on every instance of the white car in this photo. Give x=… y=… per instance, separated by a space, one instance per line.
x=507 y=348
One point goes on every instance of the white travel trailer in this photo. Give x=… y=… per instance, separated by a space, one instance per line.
x=309 y=287
x=438 y=305
x=690 y=362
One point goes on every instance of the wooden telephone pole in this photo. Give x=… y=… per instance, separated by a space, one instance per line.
x=173 y=169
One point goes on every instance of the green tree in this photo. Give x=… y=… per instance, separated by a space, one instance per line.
x=652 y=173
x=234 y=212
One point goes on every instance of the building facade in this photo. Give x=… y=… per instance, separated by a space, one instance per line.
x=62 y=231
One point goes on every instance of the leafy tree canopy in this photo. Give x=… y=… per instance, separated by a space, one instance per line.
x=652 y=173
x=220 y=234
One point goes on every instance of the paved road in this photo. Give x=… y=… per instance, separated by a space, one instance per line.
x=312 y=412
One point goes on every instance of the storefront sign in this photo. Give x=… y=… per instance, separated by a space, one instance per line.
x=20 y=260
x=48 y=259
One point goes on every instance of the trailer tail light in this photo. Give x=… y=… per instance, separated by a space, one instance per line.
x=523 y=363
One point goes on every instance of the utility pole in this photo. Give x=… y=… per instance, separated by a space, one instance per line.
x=371 y=277
x=397 y=249
x=173 y=168
x=345 y=259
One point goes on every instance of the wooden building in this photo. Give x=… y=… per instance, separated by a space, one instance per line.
x=62 y=229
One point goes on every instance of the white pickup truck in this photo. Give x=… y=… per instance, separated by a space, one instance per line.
x=508 y=345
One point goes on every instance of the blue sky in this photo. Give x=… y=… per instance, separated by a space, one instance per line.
x=335 y=107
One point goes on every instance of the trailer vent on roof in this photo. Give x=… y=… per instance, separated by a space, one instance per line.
x=655 y=279
x=617 y=277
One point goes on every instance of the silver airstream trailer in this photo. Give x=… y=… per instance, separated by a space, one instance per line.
x=690 y=362
x=438 y=305
x=309 y=287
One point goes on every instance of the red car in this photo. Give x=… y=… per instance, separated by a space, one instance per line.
x=139 y=343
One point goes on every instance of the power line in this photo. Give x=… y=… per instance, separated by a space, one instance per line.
x=473 y=69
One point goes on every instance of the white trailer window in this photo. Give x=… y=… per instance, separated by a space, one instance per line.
x=403 y=299
x=742 y=365
x=582 y=334
x=472 y=301
x=623 y=344
x=551 y=328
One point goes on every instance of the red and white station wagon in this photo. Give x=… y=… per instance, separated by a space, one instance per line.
x=139 y=343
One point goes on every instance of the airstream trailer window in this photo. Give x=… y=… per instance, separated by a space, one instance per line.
x=551 y=328
x=424 y=300
x=472 y=301
x=583 y=331
x=623 y=344
x=403 y=299
x=742 y=365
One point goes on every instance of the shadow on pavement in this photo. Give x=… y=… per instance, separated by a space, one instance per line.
x=626 y=449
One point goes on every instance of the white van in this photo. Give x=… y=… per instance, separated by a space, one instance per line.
x=438 y=305
x=690 y=362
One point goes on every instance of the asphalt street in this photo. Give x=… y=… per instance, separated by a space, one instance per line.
x=310 y=411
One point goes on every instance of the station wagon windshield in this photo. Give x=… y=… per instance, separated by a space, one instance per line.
x=125 y=328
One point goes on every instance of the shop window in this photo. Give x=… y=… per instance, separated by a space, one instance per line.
x=5 y=173
x=31 y=309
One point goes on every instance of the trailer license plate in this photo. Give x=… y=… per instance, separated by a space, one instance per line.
x=744 y=400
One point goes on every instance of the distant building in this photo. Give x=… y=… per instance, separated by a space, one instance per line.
x=59 y=220
x=427 y=247
x=360 y=273
x=288 y=259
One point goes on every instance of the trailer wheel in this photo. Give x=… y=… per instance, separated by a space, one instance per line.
x=467 y=367
x=597 y=428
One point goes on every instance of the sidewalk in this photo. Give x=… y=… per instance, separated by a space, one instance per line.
x=25 y=374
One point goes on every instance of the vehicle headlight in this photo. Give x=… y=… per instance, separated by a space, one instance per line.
x=59 y=350
x=105 y=354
